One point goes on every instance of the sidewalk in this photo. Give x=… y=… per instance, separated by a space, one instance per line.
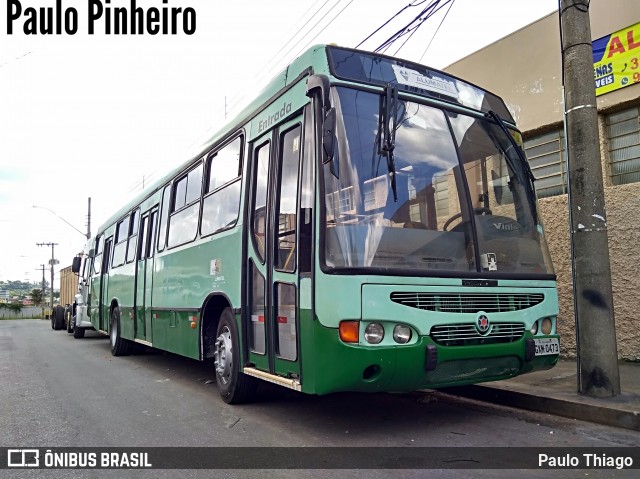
x=555 y=392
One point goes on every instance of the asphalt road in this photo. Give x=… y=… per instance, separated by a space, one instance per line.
x=57 y=391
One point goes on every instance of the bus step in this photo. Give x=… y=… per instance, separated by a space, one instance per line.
x=272 y=378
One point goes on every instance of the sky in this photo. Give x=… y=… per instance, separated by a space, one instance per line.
x=103 y=115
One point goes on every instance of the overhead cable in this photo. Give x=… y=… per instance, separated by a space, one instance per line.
x=235 y=99
x=437 y=29
x=414 y=24
x=233 y=104
x=412 y=4
x=310 y=30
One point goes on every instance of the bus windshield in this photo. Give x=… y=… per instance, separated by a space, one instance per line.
x=463 y=199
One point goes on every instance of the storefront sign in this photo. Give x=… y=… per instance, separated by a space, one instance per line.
x=616 y=60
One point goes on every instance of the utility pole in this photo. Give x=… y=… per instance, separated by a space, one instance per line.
x=52 y=262
x=89 y=219
x=598 y=374
x=43 y=282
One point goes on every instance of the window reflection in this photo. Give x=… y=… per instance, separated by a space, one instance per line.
x=220 y=209
x=452 y=170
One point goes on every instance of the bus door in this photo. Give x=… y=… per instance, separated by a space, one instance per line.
x=144 y=275
x=95 y=283
x=104 y=280
x=271 y=323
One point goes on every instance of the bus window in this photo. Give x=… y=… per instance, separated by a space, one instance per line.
x=133 y=234
x=285 y=258
x=183 y=222
x=152 y=227
x=224 y=165
x=97 y=257
x=286 y=322
x=260 y=199
x=162 y=233
x=143 y=249
x=120 y=248
x=221 y=205
x=257 y=331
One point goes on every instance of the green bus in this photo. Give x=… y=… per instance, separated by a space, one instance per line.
x=365 y=224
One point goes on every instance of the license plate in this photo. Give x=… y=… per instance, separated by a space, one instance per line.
x=547 y=346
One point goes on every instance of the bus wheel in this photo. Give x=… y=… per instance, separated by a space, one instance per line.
x=119 y=345
x=70 y=324
x=234 y=386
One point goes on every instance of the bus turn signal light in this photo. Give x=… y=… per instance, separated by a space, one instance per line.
x=349 y=331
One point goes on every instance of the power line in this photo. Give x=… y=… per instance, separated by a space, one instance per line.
x=385 y=45
x=325 y=27
x=422 y=20
x=415 y=29
x=268 y=62
x=277 y=63
x=143 y=182
x=437 y=29
x=388 y=21
x=413 y=25
x=275 y=60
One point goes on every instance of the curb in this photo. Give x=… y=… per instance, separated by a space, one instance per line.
x=574 y=409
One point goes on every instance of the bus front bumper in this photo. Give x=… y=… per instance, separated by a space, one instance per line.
x=339 y=366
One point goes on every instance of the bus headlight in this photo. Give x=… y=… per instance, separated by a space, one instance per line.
x=546 y=326
x=401 y=334
x=374 y=333
x=534 y=328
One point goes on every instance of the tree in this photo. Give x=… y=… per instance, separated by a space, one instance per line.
x=37 y=296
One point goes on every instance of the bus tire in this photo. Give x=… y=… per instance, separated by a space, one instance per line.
x=70 y=324
x=234 y=386
x=119 y=345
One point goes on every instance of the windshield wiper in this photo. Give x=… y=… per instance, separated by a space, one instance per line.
x=389 y=126
x=494 y=116
x=523 y=160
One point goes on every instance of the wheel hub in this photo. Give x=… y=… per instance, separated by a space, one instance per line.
x=223 y=355
x=113 y=333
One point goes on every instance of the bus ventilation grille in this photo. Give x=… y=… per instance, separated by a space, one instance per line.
x=468 y=303
x=467 y=334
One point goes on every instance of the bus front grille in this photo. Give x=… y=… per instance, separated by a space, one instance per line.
x=467 y=334
x=468 y=302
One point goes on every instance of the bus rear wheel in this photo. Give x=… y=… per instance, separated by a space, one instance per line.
x=235 y=387
x=119 y=345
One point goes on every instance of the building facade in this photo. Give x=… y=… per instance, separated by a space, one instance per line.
x=525 y=69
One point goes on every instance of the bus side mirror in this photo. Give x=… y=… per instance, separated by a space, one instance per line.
x=75 y=266
x=328 y=135
x=328 y=141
